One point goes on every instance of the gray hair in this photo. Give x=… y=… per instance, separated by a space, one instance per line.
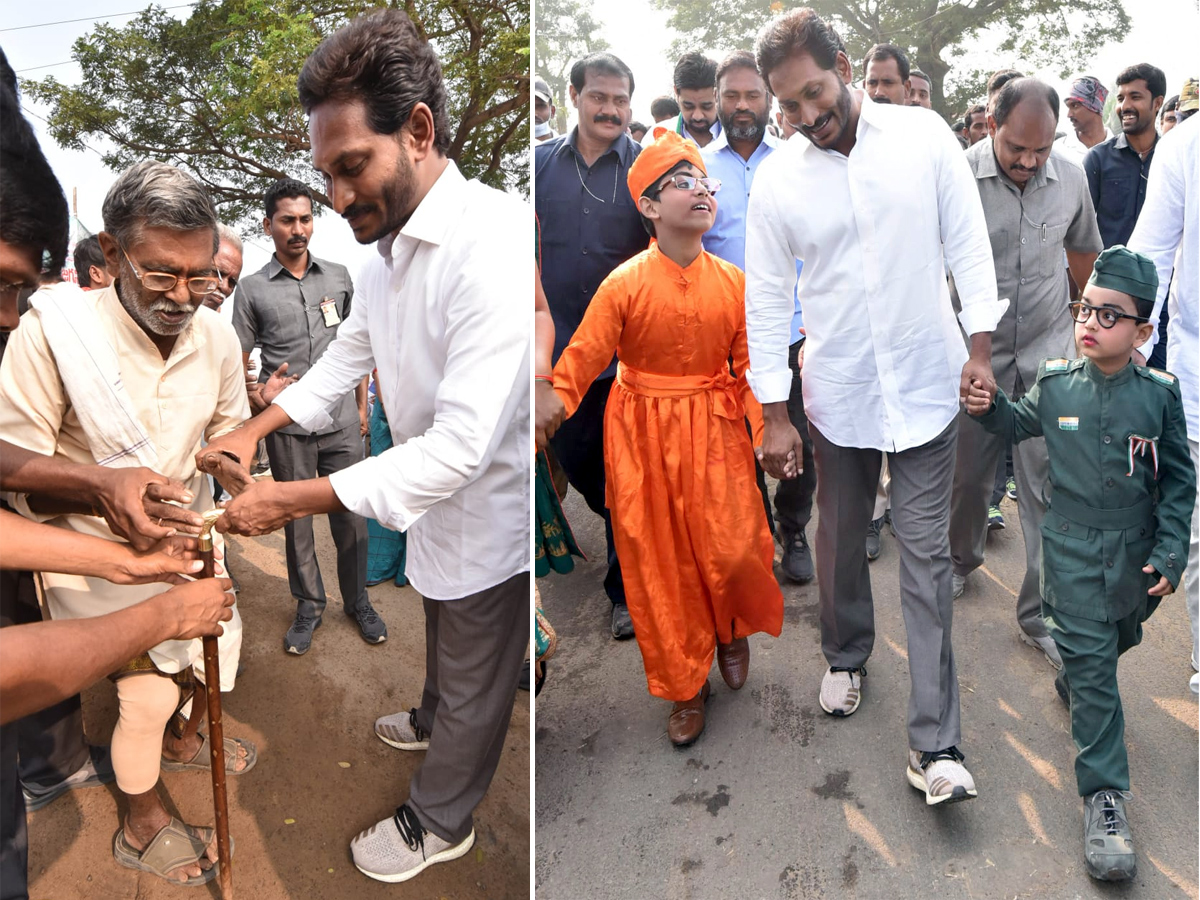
x=152 y=194
x=227 y=235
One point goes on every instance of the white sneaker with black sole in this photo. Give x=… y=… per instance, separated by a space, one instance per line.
x=941 y=775
x=399 y=848
x=400 y=730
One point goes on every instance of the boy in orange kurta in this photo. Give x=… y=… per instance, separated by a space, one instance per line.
x=687 y=516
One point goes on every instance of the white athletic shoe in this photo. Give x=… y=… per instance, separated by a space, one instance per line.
x=400 y=730
x=942 y=776
x=841 y=690
x=400 y=848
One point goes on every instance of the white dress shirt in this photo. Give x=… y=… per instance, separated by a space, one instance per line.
x=884 y=353
x=444 y=315
x=1070 y=146
x=1168 y=231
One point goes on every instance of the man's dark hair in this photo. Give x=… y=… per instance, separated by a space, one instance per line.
x=917 y=73
x=87 y=254
x=285 y=189
x=32 y=200
x=887 y=51
x=601 y=64
x=974 y=110
x=637 y=126
x=663 y=108
x=1155 y=78
x=1019 y=89
x=694 y=72
x=795 y=33
x=1000 y=79
x=1171 y=104
x=380 y=60
x=738 y=59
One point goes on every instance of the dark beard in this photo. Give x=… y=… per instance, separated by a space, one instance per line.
x=746 y=132
x=397 y=197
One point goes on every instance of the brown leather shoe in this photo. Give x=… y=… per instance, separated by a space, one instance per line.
x=734 y=661
x=687 y=719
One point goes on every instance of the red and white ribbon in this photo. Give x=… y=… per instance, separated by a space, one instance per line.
x=1137 y=447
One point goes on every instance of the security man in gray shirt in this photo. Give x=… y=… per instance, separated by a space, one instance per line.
x=1036 y=205
x=291 y=309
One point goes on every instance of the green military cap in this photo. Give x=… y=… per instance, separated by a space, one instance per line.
x=1124 y=270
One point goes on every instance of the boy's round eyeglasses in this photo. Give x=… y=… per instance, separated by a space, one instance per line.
x=1107 y=316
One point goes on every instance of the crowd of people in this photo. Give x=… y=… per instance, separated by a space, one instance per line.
x=806 y=273
x=120 y=399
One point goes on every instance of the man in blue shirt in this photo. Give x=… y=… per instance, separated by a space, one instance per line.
x=589 y=226
x=1117 y=168
x=743 y=105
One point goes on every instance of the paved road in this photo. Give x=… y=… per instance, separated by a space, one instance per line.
x=293 y=816
x=779 y=800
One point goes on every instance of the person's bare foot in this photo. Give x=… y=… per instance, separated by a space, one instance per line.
x=140 y=831
x=184 y=749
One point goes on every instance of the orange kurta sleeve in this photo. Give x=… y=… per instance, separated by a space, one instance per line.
x=594 y=342
x=740 y=352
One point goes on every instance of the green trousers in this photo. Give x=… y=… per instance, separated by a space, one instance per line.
x=1089 y=651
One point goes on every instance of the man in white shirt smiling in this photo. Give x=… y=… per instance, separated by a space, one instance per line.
x=867 y=201
x=443 y=315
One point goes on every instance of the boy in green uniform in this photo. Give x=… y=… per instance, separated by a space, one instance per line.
x=1115 y=536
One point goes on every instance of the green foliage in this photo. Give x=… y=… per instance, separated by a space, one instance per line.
x=566 y=31
x=216 y=93
x=1062 y=35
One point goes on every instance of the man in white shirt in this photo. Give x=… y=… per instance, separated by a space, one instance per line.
x=443 y=315
x=1168 y=231
x=867 y=201
x=696 y=93
x=1085 y=110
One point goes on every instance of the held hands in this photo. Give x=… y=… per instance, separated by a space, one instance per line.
x=548 y=413
x=169 y=560
x=133 y=503
x=212 y=460
x=259 y=509
x=976 y=371
x=782 y=452
x=979 y=399
x=1163 y=587
x=197 y=608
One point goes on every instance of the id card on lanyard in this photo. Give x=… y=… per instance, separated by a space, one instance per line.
x=330 y=311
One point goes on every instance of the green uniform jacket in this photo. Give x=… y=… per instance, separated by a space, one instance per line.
x=1122 y=485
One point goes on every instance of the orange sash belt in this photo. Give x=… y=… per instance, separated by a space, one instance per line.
x=723 y=386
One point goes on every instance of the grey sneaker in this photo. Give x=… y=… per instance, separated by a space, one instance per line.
x=622 y=624
x=400 y=848
x=958 y=584
x=400 y=730
x=299 y=637
x=374 y=631
x=797 y=562
x=1045 y=643
x=1108 y=850
x=841 y=690
x=96 y=771
x=941 y=775
x=873 y=544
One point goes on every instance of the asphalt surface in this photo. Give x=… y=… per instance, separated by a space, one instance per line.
x=779 y=800
x=322 y=775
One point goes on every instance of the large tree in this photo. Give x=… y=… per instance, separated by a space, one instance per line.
x=1061 y=35
x=216 y=92
x=566 y=31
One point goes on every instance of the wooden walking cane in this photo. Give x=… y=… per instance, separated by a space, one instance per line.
x=216 y=736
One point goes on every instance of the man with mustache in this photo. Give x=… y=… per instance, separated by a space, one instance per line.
x=229 y=268
x=743 y=107
x=873 y=202
x=885 y=75
x=919 y=87
x=1036 y=205
x=1085 y=111
x=291 y=308
x=589 y=226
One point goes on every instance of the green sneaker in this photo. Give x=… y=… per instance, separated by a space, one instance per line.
x=1010 y=489
x=1107 y=841
x=995 y=518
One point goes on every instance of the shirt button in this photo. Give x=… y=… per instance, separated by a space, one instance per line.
x=1022 y=240
x=586 y=210
x=1107 y=437
x=1108 y=563
x=1109 y=482
x=1022 y=280
x=585 y=251
x=1064 y=527
x=1170 y=556
x=1020 y=318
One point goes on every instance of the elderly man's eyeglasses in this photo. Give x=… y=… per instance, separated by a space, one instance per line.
x=1107 y=316
x=165 y=281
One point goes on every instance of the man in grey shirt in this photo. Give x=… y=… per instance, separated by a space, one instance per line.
x=1036 y=205
x=291 y=309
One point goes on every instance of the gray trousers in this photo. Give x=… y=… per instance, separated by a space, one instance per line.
x=847 y=478
x=979 y=453
x=474 y=648
x=295 y=458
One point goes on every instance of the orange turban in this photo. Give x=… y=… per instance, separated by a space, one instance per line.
x=656 y=160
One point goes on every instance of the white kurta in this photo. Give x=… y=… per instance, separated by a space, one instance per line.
x=197 y=393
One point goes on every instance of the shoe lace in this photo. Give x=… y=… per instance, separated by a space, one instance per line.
x=411 y=830
x=366 y=614
x=876 y=526
x=1107 y=803
x=950 y=753
x=861 y=670
x=417 y=729
x=304 y=621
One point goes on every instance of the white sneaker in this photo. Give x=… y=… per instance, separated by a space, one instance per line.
x=400 y=730
x=1194 y=684
x=942 y=776
x=841 y=690
x=1045 y=644
x=400 y=848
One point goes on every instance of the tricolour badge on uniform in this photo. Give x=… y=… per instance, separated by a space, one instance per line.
x=1057 y=365
x=1138 y=446
x=1068 y=423
x=1160 y=376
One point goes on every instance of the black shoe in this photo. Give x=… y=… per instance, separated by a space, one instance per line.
x=622 y=625
x=299 y=637
x=523 y=684
x=797 y=558
x=873 y=538
x=1063 y=688
x=372 y=627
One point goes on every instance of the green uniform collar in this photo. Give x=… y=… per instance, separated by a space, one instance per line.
x=1094 y=373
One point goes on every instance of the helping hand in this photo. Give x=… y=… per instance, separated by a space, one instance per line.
x=259 y=509
x=549 y=413
x=198 y=607
x=782 y=452
x=979 y=399
x=132 y=502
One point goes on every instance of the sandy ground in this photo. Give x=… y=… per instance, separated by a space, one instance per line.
x=293 y=816
x=779 y=800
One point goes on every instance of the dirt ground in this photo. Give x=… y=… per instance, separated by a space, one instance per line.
x=322 y=775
